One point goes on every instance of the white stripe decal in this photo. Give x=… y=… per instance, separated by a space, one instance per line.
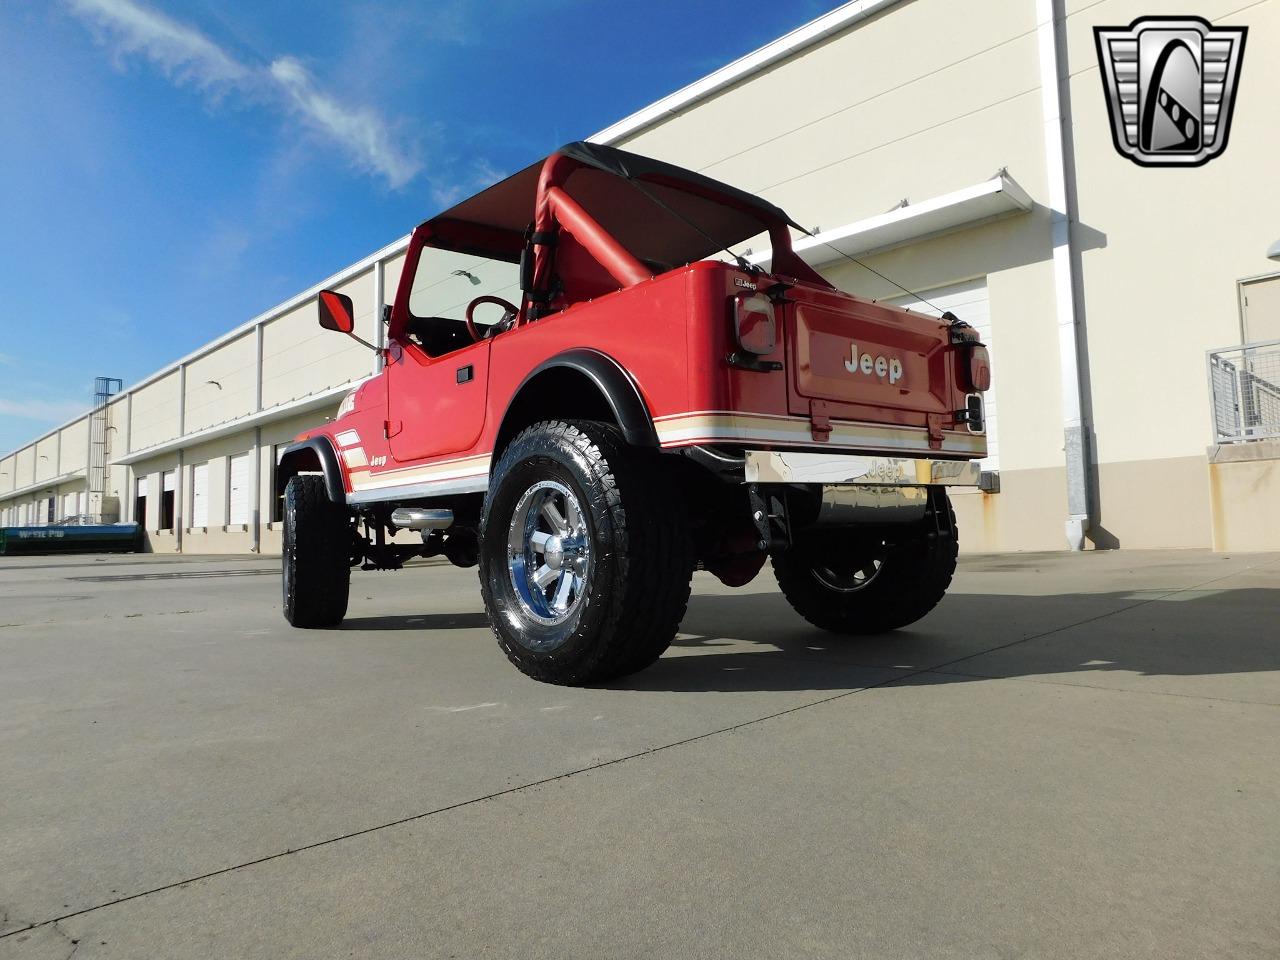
x=355 y=457
x=470 y=468
x=347 y=438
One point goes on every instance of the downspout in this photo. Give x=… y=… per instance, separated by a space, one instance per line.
x=1060 y=169
x=130 y=475
x=88 y=463
x=178 y=518
x=255 y=540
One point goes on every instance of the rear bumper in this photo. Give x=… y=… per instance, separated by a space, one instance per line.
x=851 y=469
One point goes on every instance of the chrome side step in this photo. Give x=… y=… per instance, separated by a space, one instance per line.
x=420 y=518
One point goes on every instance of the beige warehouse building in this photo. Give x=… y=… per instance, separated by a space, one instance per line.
x=962 y=149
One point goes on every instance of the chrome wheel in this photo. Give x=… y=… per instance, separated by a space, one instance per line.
x=549 y=552
x=851 y=576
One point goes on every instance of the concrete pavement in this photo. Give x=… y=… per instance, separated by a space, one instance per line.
x=1073 y=756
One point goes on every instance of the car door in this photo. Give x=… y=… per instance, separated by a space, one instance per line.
x=435 y=405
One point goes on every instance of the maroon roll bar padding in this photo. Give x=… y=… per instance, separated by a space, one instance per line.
x=597 y=241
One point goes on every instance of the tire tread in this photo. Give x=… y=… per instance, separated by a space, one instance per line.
x=320 y=554
x=652 y=551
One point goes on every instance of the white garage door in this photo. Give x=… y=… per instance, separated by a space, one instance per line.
x=238 y=490
x=969 y=302
x=200 y=495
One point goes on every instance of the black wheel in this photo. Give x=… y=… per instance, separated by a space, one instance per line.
x=585 y=555
x=847 y=581
x=316 y=555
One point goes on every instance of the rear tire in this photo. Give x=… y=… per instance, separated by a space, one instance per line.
x=315 y=555
x=848 y=582
x=585 y=554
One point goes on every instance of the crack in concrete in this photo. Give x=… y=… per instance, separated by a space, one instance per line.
x=75 y=944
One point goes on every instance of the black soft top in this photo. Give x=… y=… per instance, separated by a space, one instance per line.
x=660 y=212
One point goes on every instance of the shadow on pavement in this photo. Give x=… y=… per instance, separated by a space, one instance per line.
x=1188 y=634
x=418 y=621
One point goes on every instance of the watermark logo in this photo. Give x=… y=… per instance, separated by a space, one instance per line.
x=1171 y=86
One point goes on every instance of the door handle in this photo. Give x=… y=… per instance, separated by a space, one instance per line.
x=466 y=374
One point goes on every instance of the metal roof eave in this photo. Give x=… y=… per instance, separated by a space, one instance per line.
x=1000 y=196
x=46 y=484
x=300 y=405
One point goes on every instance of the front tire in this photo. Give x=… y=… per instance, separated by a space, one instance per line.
x=847 y=581
x=315 y=555
x=585 y=554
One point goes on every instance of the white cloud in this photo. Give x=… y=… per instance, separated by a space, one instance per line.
x=364 y=133
x=182 y=52
x=48 y=411
x=483 y=174
x=187 y=56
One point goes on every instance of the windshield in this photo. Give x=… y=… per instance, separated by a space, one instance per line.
x=444 y=284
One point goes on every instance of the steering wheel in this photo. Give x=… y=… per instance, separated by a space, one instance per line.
x=512 y=312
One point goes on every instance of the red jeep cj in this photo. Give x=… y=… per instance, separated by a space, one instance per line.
x=578 y=398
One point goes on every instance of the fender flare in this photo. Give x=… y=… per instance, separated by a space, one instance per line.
x=297 y=457
x=616 y=386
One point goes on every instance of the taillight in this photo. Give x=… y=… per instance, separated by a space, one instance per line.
x=754 y=326
x=979 y=368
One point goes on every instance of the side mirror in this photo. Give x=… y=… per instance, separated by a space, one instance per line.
x=336 y=312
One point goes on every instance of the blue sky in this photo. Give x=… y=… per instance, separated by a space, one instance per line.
x=170 y=170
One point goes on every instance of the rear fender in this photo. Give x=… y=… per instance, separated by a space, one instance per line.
x=612 y=385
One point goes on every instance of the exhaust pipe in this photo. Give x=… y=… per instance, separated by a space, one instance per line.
x=420 y=518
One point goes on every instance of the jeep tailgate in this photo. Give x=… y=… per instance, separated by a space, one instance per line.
x=868 y=362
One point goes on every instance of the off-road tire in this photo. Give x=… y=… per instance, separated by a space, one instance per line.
x=914 y=575
x=641 y=554
x=315 y=555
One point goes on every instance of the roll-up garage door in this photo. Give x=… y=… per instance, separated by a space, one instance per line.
x=140 y=501
x=168 y=484
x=200 y=495
x=238 y=490
x=969 y=302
